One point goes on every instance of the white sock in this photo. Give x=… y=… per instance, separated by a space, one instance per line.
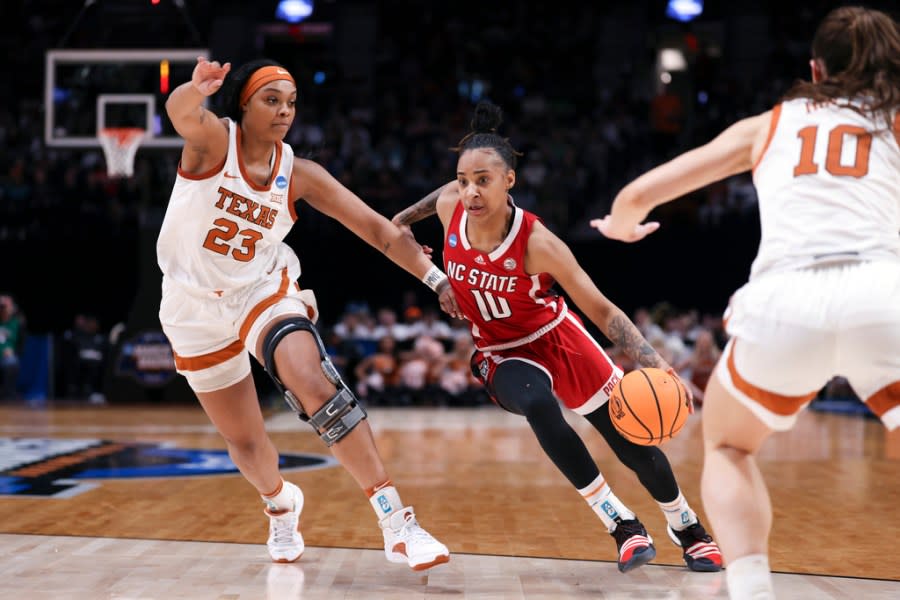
x=678 y=514
x=280 y=499
x=384 y=499
x=749 y=578
x=600 y=498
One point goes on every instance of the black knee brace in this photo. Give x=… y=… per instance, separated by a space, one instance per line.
x=342 y=412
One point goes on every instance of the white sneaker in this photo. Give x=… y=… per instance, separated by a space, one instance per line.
x=406 y=542
x=285 y=542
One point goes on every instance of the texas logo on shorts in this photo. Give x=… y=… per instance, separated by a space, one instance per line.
x=64 y=468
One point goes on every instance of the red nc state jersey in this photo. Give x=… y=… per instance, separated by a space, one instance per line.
x=506 y=306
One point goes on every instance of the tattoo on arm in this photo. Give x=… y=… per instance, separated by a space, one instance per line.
x=623 y=333
x=386 y=247
x=425 y=207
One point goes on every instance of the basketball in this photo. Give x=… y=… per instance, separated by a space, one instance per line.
x=648 y=406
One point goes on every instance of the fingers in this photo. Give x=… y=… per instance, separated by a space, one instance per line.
x=650 y=227
x=690 y=398
x=212 y=68
x=689 y=394
x=457 y=313
x=598 y=224
x=640 y=231
x=449 y=305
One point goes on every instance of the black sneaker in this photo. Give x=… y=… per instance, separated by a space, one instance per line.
x=700 y=551
x=634 y=544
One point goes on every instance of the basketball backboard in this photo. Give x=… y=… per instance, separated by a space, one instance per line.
x=87 y=90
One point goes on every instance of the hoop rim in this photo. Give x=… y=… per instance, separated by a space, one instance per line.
x=122 y=135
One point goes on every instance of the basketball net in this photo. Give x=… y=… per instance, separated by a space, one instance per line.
x=120 y=144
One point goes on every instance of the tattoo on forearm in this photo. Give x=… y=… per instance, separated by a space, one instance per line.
x=387 y=246
x=626 y=336
x=421 y=209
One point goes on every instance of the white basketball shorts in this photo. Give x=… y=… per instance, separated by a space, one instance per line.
x=212 y=337
x=791 y=332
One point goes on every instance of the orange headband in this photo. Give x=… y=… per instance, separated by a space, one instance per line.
x=261 y=77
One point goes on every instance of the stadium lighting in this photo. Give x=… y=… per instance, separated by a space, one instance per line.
x=293 y=11
x=684 y=10
x=672 y=59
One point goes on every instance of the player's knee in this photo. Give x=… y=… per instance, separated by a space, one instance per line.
x=307 y=382
x=338 y=416
x=525 y=390
x=305 y=376
x=245 y=443
x=328 y=404
x=539 y=405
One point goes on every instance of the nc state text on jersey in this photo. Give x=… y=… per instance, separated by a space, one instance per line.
x=481 y=279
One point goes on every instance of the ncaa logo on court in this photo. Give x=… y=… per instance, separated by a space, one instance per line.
x=51 y=468
x=281 y=182
x=453 y=240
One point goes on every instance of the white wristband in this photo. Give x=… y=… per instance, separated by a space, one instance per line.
x=433 y=278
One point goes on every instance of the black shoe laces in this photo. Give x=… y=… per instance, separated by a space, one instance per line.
x=626 y=529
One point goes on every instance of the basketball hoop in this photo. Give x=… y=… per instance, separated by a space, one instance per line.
x=120 y=144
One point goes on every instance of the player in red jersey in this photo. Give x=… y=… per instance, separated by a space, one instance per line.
x=532 y=350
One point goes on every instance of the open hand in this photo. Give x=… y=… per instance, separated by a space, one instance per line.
x=407 y=230
x=685 y=387
x=447 y=299
x=640 y=231
x=208 y=76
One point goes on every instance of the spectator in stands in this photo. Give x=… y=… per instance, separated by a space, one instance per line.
x=354 y=325
x=376 y=374
x=431 y=325
x=12 y=342
x=83 y=359
x=698 y=366
x=387 y=325
x=414 y=372
x=455 y=379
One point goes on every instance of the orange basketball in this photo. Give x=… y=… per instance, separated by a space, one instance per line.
x=648 y=406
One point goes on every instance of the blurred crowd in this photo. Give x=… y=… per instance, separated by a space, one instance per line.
x=584 y=127
x=584 y=104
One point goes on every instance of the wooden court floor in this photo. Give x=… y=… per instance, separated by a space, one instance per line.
x=477 y=479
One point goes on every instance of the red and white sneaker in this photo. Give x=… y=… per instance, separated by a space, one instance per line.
x=634 y=543
x=406 y=542
x=700 y=551
x=285 y=542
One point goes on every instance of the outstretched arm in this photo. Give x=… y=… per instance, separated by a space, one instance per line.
x=206 y=139
x=548 y=254
x=422 y=209
x=731 y=152
x=327 y=195
x=440 y=202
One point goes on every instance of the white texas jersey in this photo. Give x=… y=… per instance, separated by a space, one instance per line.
x=828 y=183
x=222 y=232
